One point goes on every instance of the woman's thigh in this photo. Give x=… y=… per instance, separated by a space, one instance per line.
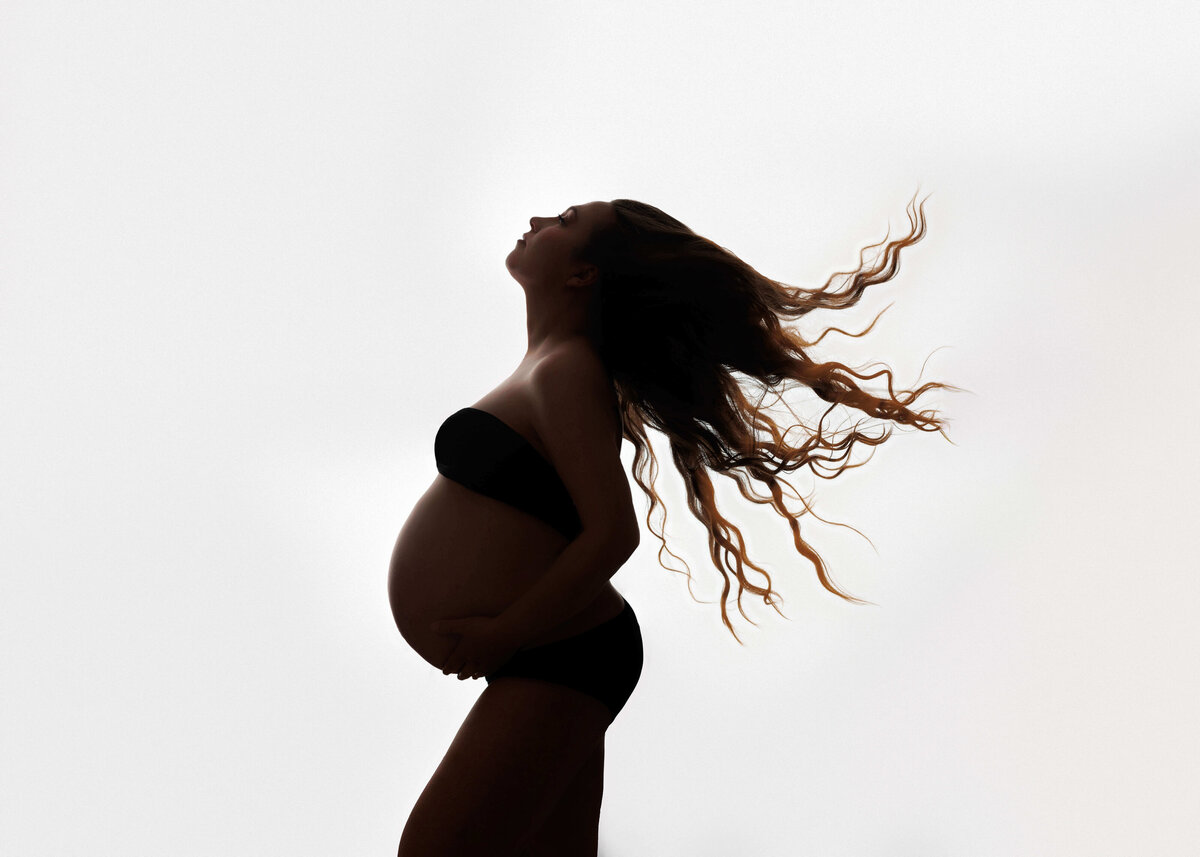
x=573 y=827
x=516 y=753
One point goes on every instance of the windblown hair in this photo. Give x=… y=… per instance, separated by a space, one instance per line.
x=679 y=315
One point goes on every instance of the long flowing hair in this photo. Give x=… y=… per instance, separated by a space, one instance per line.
x=679 y=316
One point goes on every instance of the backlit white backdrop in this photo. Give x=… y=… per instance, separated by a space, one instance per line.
x=252 y=256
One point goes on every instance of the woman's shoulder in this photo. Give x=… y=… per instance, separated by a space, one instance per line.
x=572 y=370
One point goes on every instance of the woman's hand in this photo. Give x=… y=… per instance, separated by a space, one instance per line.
x=483 y=645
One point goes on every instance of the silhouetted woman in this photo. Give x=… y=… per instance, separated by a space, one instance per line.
x=502 y=569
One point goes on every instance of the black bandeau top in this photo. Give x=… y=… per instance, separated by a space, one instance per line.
x=484 y=453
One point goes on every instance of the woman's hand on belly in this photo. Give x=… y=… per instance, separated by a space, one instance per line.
x=483 y=645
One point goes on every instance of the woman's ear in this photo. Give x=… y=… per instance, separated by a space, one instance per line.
x=587 y=275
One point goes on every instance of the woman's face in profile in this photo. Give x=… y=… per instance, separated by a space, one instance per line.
x=544 y=254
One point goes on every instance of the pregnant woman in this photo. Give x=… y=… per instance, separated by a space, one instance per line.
x=502 y=569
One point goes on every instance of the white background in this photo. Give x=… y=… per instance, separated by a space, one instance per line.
x=252 y=256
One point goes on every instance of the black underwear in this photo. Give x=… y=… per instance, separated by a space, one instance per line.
x=604 y=662
x=484 y=453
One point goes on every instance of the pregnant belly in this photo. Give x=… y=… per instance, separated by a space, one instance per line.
x=460 y=553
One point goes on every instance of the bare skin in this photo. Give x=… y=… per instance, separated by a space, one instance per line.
x=524 y=775
x=460 y=553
